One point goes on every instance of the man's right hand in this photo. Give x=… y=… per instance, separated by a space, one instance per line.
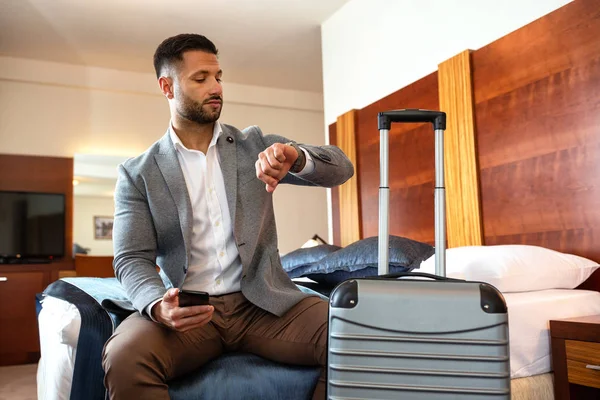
x=182 y=319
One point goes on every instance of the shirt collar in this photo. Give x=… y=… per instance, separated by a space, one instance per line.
x=217 y=131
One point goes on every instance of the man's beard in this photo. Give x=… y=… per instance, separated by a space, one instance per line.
x=194 y=111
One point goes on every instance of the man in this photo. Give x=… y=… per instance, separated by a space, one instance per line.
x=198 y=203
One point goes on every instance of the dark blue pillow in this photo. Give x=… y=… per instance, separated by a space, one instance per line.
x=297 y=262
x=360 y=259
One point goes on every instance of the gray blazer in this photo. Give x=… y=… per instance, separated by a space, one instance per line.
x=153 y=218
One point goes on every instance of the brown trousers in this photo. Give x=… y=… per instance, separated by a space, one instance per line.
x=142 y=356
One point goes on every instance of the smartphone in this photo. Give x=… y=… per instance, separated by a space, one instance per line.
x=193 y=298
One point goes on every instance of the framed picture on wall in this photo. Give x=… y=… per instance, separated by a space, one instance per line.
x=103 y=227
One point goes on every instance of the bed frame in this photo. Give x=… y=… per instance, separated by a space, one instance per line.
x=592 y=283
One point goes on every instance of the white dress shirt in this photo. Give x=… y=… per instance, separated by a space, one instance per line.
x=215 y=265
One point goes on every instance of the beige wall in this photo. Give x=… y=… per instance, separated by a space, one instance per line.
x=42 y=119
x=62 y=110
x=85 y=208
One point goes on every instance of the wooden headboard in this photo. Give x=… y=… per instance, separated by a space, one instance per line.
x=537 y=101
x=536 y=106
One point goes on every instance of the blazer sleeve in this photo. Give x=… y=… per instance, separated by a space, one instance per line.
x=332 y=166
x=135 y=244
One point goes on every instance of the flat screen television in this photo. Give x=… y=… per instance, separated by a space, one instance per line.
x=32 y=225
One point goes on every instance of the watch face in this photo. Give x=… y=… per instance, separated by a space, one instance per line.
x=299 y=163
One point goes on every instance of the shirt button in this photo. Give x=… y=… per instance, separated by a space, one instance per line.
x=218 y=281
x=218 y=223
x=221 y=254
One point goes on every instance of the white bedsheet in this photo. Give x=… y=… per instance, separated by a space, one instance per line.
x=528 y=315
x=59 y=323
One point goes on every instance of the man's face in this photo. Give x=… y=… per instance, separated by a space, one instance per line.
x=199 y=93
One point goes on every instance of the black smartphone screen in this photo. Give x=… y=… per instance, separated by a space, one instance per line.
x=193 y=298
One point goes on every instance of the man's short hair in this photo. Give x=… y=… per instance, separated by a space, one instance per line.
x=170 y=51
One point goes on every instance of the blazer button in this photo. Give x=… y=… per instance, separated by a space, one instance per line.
x=229 y=139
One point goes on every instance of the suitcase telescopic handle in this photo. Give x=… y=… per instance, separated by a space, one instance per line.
x=385 y=120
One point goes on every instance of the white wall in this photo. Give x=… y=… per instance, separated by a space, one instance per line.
x=61 y=110
x=372 y=48
x=84 y=210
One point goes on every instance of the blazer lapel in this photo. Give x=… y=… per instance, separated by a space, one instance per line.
x=171 y=170
x=226 y=145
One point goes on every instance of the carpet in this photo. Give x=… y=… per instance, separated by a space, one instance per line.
x=18 y=382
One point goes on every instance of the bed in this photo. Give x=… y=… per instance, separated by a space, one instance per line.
x=529 y=310
x=79 y=314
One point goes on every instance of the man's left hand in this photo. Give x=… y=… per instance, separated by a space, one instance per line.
x=274 y=163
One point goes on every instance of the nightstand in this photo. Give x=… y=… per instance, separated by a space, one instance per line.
x=576 y=357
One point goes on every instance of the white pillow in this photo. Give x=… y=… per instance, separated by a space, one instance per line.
x=515 y=268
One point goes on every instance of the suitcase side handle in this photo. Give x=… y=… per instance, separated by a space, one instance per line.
x=386 y=118
x=419 y=274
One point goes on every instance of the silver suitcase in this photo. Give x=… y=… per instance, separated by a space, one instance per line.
x=422 y=336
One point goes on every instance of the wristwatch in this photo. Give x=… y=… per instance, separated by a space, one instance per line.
x=300 y=162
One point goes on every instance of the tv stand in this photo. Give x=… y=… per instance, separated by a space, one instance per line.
x=14 y=260
x=36 y=261
x=19 y=284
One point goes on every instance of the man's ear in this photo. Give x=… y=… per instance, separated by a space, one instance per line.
x=166 y=86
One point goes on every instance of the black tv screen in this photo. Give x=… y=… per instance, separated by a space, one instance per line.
x=32 y=225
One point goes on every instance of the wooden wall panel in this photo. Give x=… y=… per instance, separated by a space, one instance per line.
x=552 y=114
x=348 y=192
x=42 y=174
x=463 y=211
x=561 y=40
x=537 y=95
x=335 y=195
x=411 y=164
